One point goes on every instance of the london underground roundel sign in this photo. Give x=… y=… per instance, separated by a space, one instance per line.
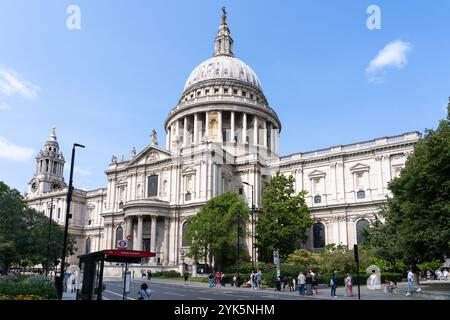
x=122 y=244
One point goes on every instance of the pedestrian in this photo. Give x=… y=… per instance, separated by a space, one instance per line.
x=445 y=274
x=144 y=293
x=301 y=284
x=149 y=275
x=186 y=276
x=373 y=280
x=222 y=279
x=333 y=285
x=411 y=284
x=234 y=283
x=308 y=283
x=211 y=280
x=349 y=285
x=66 y=278
x=258 y=279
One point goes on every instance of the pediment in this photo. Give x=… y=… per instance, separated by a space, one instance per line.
x=316 y=174
x=149 y=155
x=188 y=170
x=359 y=167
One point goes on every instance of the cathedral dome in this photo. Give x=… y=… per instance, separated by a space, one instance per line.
x=223 y=67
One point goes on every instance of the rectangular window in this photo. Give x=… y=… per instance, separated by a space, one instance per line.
x=207 y=91
x=152 y=186
x=234 y=91
x=225 y=90
x=244 y=94
x=216 y=90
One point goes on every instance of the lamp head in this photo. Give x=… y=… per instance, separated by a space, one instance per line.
x=78 y=145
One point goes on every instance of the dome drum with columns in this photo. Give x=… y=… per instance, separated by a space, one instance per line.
x=221 y=136
x=223 y=102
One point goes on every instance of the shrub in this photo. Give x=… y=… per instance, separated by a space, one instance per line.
x=166 y=274
x=27 y=287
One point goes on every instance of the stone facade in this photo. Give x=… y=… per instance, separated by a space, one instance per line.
x=222 y=135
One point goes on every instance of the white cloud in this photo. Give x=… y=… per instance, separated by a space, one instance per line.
x=393 y=54
x=13 y=152
x=10 y=83
x=4 y=106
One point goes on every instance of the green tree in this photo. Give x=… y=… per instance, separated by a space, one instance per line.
x=213 y=230
x=417 y=217
x=284 y=218
x=24 y=232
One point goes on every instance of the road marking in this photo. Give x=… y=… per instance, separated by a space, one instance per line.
x=201 y=298
x=118 y=294
x=174 y=294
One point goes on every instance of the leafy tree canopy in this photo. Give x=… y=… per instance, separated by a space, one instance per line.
x=417 y=217
x=24 y=232
x=284 y=218
x=213 y=230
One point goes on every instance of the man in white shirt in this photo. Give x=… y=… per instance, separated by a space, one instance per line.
x=411 y=284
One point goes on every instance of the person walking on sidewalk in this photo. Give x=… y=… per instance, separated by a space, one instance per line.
x=411 y=284
x=186 y=276
x=348 y=285
x=333 y=285
x=301 y=284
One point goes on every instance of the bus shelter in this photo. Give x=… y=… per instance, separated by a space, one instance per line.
x=91 y=269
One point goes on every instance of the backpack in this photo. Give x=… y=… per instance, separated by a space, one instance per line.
x=331 y=282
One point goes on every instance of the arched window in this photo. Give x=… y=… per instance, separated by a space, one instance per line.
x=317 y=199
x=119 y=233
x=185 y=242
x=88 y=245
x=152 y=190
x=319 y=235
x=360 y=226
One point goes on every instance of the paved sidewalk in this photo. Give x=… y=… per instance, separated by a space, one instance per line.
x=69 y=296
x=430 y=291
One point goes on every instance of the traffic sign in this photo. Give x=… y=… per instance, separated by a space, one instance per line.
x=122 y=244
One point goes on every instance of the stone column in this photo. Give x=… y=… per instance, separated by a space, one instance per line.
x=139 y=233
x=255 y=130
x=177 y=131
x=153 y=238
x=244 y=128
x=265 y=134
x=168 y=138
x=232 y=126
x=219 y=127
x=129 y=232
x=185 y=131
x=195 y=128
x=207 y=124
x=166 y=241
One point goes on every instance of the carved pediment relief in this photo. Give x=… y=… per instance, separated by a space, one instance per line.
x=359 y=167
x=149 y=155
x=188 y=170
x=316 y=174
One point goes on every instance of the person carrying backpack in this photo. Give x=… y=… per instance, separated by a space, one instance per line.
x=333 y=285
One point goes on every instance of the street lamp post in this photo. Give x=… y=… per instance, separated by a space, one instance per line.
x=66 y=227
x=48 y=241
x=253 y=220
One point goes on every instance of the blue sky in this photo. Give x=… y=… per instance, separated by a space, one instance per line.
x=331 y=79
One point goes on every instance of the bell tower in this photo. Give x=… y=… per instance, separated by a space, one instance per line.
x=49 y=174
